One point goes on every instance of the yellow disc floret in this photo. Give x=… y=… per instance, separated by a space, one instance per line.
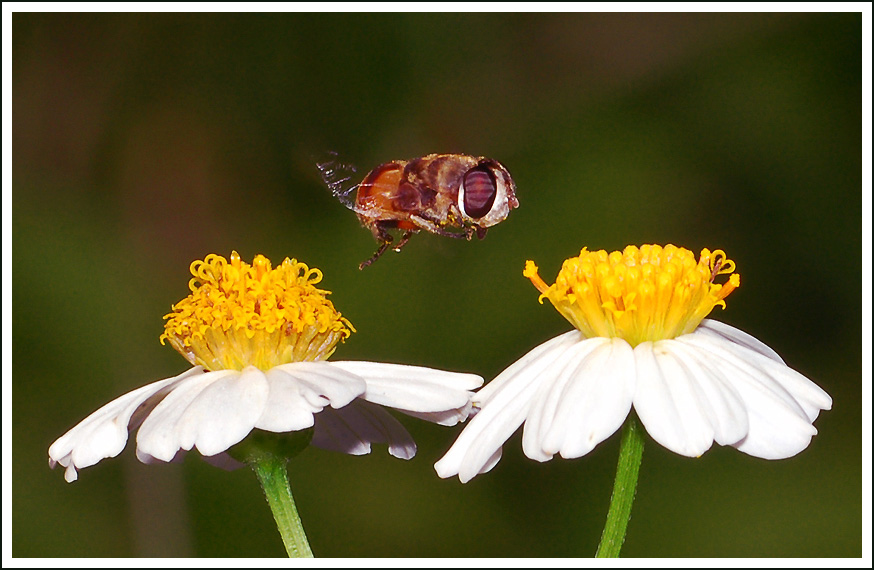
x=638 y=294
x=239 y=315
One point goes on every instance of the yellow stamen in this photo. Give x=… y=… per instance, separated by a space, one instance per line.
x=531 y=273
x=638 y=294
x=239 y=315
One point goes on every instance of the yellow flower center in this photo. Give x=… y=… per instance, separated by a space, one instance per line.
x=638 y=294
x=239 y=315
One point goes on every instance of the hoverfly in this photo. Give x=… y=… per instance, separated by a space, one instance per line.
x=432 y=193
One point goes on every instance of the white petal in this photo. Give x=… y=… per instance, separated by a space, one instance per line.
x=159 y=435
x=413 y=388
x=104 y=433
x=669 y=403
x=225 y=412
x=353 y=428
x=493 y=460
x=721 y=402
x=287 y=408
x=811 y=397
x=326 y=381
x=563 y=340
x=794 y=388
x=593 y=404
x=506 y=407
x=445 y=418
x=70 y=473
x=548 y=396
x=774 y=435
x=150 y=460
x=737 y=336
x=780 y=403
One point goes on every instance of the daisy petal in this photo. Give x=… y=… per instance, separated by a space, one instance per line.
x=445 y=418
x=325 y=381
x=508 y=405
x=773 y=433
x=287 y=408
x=413 y=388
x=150 y=460
x=797 y=391
x=779 y=421
x=104 y=433
x=594 y=403
x=548 y=395
x=353 y=428
x=668 y=401
x=721 y=403
x=737 y=336
x=493 y=460
x=545 y=401
x=563 y=340
x=225 y=412
x=809 y=396
x=159 y=435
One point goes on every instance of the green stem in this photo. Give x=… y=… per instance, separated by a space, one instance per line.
x=630 y=455
x=273 y=477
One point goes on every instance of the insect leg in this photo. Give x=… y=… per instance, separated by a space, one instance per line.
x=404 y=239
x=385 y=240
x=384 y=246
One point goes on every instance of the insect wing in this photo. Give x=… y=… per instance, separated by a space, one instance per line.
x=340 y=178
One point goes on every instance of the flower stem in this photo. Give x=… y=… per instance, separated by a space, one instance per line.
x=630 y=455
x=273 y=476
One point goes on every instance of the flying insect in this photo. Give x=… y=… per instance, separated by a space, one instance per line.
x=437 y=193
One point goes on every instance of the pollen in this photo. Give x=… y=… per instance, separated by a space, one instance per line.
x=640 y=294
x=239 y=315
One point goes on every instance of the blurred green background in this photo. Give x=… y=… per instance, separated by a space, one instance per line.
x=143 y=142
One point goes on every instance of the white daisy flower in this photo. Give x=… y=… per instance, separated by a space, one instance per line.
x=259 y=338
x=641 y=340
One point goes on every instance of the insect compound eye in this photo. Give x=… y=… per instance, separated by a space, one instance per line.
x=480 y=191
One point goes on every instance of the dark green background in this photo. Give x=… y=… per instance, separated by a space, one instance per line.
x=143 y=142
